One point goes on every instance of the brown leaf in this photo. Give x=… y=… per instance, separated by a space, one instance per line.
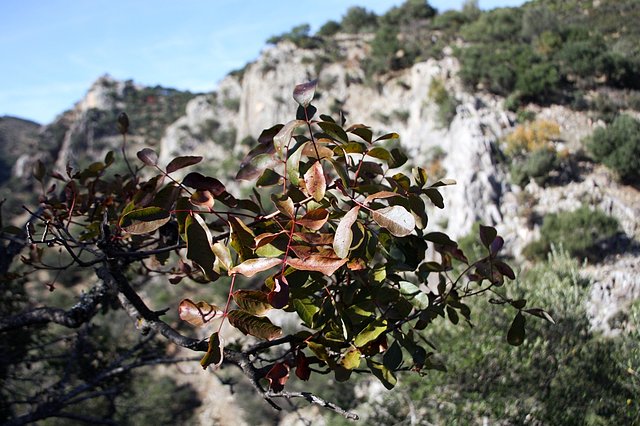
x=204 y=183
x=198 y=313
x=320 y=263
x=314 y=219
x=279 y=296
x=250 y=267
x=302 y=367
x=202 y=199
x=148 y=156
x=315 y=181
x=144 y=220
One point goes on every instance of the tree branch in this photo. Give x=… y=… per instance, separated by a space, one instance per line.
x=80 y=313
x=314 y=399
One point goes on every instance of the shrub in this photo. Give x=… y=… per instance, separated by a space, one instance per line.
x=536 y=166
x=446 y=103
x=529 y=137
x=359 y=20
x=329 y=28
x=582 y=232
x=618 y=147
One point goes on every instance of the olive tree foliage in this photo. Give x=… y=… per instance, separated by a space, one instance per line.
x=336 y=238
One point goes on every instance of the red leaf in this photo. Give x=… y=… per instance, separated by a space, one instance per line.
x=278 y=376
x=302 y=367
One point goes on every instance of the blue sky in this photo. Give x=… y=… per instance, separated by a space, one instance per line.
x=52 y=50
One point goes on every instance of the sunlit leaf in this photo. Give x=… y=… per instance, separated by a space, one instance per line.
x=320 y=263
x=315 y=181
x=250 y=267
x=182 y=162
x=443 y=182
x=306 y=309
x=284 y=204
x=281 y=140
x=215 y=352
x=202 y=199
x=259 y=327
x=540 y=314
x=198 y=313
x=303 y=93
x=223 y=254
x=351 y=359
x=344 y=235
x=370 y=332
x=387 y=137
x=381 y=195
x=242 y=238
x=413 y=294
x=145 y=220
x=253 y=301
x=396 y=219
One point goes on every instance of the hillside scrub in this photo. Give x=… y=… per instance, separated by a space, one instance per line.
x=618 y=147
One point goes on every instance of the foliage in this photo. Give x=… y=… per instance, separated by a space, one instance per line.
x=329 y=29
x=538 y=166
x=595 y=228
x=446 y=103
x=565 y=375
x=300 y=36
x=618 y=146
x=359 y=20
x=335 y=238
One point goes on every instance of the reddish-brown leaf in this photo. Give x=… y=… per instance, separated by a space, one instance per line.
x=250 y=267
x=204 y=183
x=315 y=219
x=182 y=162
x=302 y=367
x=279 y=296
x=202 y=199
x=253 y=301
x=198 y=313
x=148 y=156
x=278 y=376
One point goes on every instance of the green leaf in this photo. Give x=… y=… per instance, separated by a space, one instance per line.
x=341 y=171
x=515 y=335
x=145 y=220
x=351 y=359
x=198 y=313
x=413 y=294
x=334 y=131
x=268 y=178
x=396 y=219
x=382 y=373
x=420 y=175
x=223 y=255
x=370 y=332
x=293 y=166
x=387 y=137
x=199 y=245
x=303 y=93
x=315 y=181
x=392 y=357
x=182 y=162
x=344 y=235
x=361 y=130
x=259 y=327
x=253 y=301
x=306 y=310
x=250 y=267
x=380 y=153
x=242 y=238
x=215 y=352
